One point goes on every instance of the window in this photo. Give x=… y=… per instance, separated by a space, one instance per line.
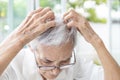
x=115 y=29
x=3 y=18
x=12 y=12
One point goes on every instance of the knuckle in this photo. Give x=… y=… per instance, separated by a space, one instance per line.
x=42 y=19
x=32 y=12
x=48 y=8
x=50 y=24
x=53 y=23
x=71 y=14
x=35 y=16
x=66 y=18
x=71 y=22
x=71 y=10
x=40 y=8
x=51 y=13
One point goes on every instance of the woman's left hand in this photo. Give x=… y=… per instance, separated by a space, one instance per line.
x=111 y=68
x=74 y=19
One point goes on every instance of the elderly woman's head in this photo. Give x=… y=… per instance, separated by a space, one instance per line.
x=54 y=48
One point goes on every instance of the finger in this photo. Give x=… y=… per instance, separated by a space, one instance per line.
x=69 y=15
x=68 y=18
x=48 y=16
x=40 y=13
x=40 y=29
x=45 y=10
x=34 y=12
x=67 y=12
x=30 y=15
x=27 y=25
x=28 y=20
x=37 y=22
x=34 y=16
x=71 y=24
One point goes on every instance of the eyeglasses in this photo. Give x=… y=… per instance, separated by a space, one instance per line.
x=72 y=62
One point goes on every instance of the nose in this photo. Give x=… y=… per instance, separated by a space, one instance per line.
x=56 y=71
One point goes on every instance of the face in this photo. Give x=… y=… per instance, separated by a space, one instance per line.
x=53 y=56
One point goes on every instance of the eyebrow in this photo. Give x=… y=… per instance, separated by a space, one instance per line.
x=48 y=60
x=45 y=59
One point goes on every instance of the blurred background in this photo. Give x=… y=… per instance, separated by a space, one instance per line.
x=103 y=15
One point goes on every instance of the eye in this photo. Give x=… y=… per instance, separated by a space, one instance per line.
x=46 y=61
x=65 y=62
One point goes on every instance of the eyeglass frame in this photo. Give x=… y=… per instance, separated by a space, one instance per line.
x=59 y=67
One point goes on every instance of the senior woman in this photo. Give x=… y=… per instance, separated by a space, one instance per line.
x=51 y=54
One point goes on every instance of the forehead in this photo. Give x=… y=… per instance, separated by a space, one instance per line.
x=63 y=51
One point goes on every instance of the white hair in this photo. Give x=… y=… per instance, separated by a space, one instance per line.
x=57 y=35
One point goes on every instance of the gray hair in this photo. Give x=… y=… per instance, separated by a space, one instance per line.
x=57 y=35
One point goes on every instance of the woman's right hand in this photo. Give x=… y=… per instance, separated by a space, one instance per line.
x=35 y=23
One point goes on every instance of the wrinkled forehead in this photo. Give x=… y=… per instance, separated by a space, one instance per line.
x=63 y=51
